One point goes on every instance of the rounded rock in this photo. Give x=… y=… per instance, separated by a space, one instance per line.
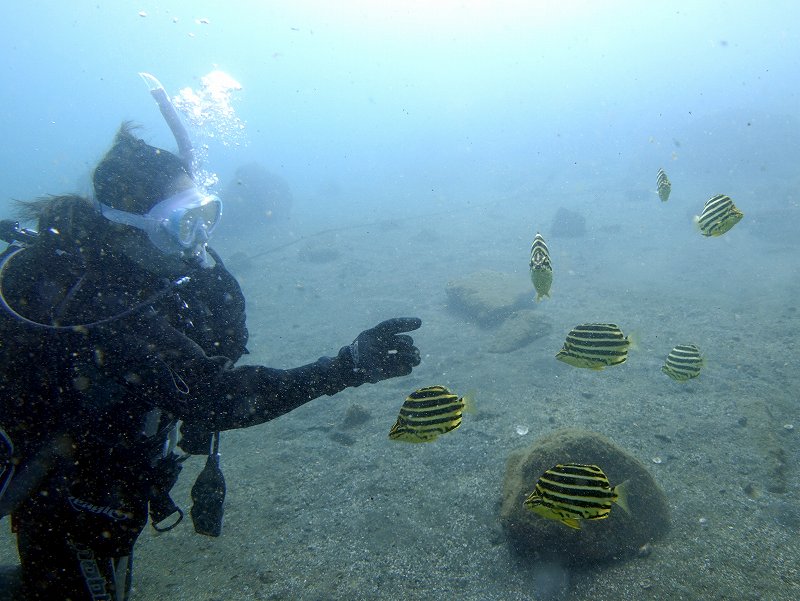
x=620 y=536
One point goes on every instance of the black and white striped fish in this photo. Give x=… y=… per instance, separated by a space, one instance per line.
x=595 y=346
x=663 y=185
x=718 y=216
x=571 y=492
x=683 y=362
x=541 y=267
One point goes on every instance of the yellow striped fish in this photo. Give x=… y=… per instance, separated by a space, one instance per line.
x=663 y=185
x=428 y=413
x=541 y=268
x=595 y=346
x=570 y=492
x=683 y=362
x=718 y=216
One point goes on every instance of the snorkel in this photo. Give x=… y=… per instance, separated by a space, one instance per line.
x=185 y=148
x=181 y=223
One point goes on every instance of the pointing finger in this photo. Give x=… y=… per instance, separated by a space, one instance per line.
x=398 y=324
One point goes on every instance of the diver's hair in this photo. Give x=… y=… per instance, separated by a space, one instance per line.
x=134 y=176
x=31 y=210
x=69 y=217
x=54 y=210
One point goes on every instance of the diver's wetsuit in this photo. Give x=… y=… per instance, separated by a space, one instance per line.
x=94 y=406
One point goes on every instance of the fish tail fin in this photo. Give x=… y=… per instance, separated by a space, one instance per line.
x=697 y=223
x=621 y=490
x=469 y=402
x=633 y=341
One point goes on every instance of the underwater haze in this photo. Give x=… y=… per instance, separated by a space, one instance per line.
x=421 y=101
x=419 y=143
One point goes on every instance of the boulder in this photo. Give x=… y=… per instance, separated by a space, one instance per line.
x=520 y=329
x=619 y=536
x=489 y=297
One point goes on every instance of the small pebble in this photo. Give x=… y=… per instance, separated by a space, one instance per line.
x=703 y=521
x=645 y=550
x=521 y=430
x=657 y=460
x=750 y=490
x=646 y=584
x=788 y=427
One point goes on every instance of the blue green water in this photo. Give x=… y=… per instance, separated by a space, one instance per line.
x=436 y=139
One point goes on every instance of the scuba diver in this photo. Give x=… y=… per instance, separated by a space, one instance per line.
x=120 y=333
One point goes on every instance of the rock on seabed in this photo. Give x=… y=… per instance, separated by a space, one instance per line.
x=615 y=538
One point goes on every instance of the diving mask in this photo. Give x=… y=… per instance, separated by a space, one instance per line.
x=182 y=222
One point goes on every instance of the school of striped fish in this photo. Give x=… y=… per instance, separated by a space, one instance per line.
x=600 y=345
x=569 y=493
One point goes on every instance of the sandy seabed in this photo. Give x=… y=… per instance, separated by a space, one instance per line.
x=316 y=511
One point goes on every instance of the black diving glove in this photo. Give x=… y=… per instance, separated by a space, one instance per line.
x=383 y=351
